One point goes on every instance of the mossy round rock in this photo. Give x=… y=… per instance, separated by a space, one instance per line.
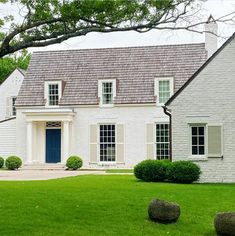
x=225 y=223
x=163 y=211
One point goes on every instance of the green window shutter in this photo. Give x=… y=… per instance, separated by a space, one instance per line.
x=215 y=141
x=93 y=144
x=120 y=143
x=150 y=141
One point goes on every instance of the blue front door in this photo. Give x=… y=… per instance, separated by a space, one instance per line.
x=53 y=145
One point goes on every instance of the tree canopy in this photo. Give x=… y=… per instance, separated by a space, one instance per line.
x=10 y=63
x=45 y=22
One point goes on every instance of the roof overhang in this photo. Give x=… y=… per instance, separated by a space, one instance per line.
x=49 y=114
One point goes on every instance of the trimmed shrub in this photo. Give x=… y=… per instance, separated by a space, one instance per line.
x=13 y=163
x=183 y=172
x=1 y=162
x=74 y=162
x=151 y=170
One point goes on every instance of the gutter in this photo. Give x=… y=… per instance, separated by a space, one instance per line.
x=12 y=118
x=166 y=111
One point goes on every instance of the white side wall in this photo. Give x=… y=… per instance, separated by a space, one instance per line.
x=9 y=88
x=133 y=118
x=209 y=98
x=8 y=138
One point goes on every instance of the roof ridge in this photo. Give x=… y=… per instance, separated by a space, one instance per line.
x=115 y=48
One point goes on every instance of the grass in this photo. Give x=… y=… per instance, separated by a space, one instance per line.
x=119 y=171
x=106 y=206
x=3 y=168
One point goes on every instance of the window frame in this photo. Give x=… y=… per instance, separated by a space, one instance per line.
x=46 y=92
x=99 y=144
x=12 y=106
x=194 y=156
x=100 y=91
x=156 y=92
x=155 y=138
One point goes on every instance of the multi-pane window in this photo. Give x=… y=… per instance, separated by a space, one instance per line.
x=164 y=92
x=107 y=93
x=162 y=141
x=13 y=106
x=198 y=140
x=53 y=90
x=107 y=143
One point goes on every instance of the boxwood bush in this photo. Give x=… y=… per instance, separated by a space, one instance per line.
x=13 y=163
x=151 y=170
x=74 y=162
x=183 y=172
x=1 y=162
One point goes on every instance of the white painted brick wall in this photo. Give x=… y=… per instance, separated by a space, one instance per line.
x=9 y=88
x=134 y=119
x=209 y=98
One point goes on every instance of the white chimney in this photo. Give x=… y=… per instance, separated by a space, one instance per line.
x=211 y=32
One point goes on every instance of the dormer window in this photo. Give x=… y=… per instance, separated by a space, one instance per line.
x=53 y=96
x=53 y=91
x=107 y=92
x=163 y=89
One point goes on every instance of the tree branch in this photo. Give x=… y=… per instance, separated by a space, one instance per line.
x=47 y=23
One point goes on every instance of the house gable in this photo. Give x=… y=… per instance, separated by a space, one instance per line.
x=168 y=103
x=9 y=90
x=207 y=102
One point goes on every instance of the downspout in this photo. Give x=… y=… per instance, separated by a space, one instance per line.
x=166 y=111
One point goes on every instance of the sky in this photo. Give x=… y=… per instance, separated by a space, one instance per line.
x=154 y=37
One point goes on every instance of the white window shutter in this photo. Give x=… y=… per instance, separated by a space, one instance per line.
x=150 y=141
x=215 y=141
x=8 y=107
x=120 y=143
x=93 y=144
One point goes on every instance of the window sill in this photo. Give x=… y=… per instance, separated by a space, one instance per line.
x=107 y=163
x=106 y=106
x=160 y=104
x=55 y=106
x=199 y=158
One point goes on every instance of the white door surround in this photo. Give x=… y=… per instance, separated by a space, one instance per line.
x=36 y=120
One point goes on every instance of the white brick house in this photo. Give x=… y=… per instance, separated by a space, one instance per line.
x=102 y=104
x=9 y=90
x=203 y=121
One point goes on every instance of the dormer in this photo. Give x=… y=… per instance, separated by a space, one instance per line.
x=164 y=89
x=106 y=92
x=52 y=92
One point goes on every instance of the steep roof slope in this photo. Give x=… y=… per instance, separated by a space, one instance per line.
x=134 y=68
x=194 y=76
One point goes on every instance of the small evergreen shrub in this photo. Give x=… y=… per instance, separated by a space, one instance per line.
x=151 y=170
x=13 y=163
x=74 y=162
x=183 y=172
x=1 y=162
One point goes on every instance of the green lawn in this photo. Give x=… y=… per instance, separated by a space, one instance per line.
x=119 y=171
x=107 y=205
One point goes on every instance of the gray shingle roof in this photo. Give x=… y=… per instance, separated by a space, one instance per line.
x=134 y=68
